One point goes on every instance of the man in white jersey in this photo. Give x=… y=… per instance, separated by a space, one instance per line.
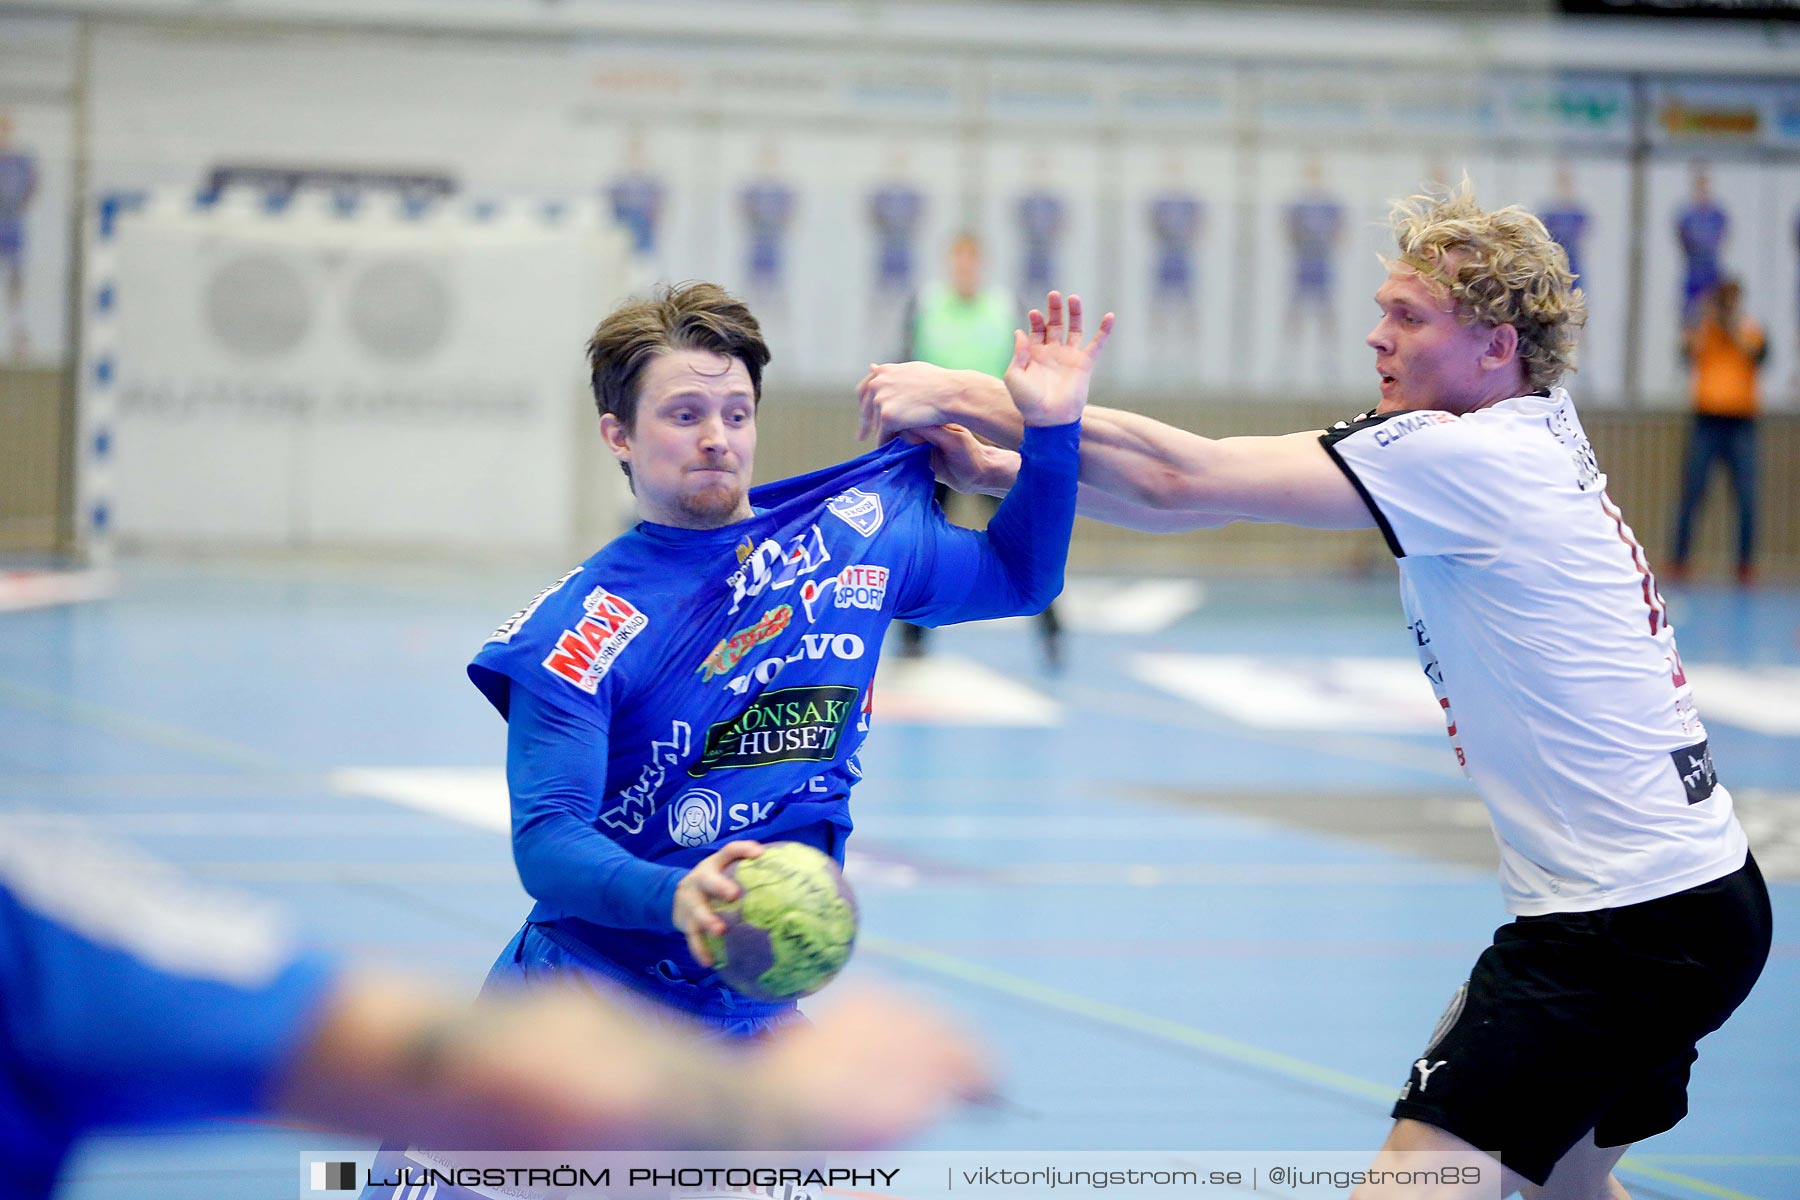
x=1640 y=919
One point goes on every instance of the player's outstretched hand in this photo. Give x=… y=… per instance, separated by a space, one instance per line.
x=966 y=463
x=1048 y=377
x=871 y=1069
x=703 y=884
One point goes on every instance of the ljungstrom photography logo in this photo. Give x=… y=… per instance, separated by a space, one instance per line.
x=334 y=1177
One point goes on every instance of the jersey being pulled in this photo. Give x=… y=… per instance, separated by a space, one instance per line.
x=728 y=672
x=1539 y=624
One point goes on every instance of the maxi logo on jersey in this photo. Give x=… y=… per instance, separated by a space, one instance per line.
x=859 y=585
x=772 y=565
x=801 y=724
x=638 y=801
x=583 y=655
x=730 y=651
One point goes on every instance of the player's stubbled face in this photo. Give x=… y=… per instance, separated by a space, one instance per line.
x=1426 y=357
x=694 y=440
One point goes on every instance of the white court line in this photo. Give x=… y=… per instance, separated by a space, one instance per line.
x=1763 y=700
x=942 y=689
x=20 y=590
x=1345 y=694
x=1331 y=695
x=474 y=796
x=1097 y=604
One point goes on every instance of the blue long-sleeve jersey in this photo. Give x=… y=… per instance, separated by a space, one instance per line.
x=686 y=688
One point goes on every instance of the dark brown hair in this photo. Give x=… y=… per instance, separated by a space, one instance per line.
x=684 y=316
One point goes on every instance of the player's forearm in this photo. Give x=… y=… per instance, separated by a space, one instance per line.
x=1029 y=533
x=1135 y=472
x=554 y=771
x=569 y=865
x=1143 y=464
x=1110 y=509
x=981 y=404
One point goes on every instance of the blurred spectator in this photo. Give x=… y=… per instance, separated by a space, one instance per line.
x=963 y=325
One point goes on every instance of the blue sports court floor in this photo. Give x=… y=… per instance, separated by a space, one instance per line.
x=1208 y=889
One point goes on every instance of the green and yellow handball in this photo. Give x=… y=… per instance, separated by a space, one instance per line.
x=791 y=929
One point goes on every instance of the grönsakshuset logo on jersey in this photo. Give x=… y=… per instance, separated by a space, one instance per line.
x=798 y=724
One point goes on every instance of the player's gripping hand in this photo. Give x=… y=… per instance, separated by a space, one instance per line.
x=965 y=463
x=705 y=883
x=1050 y=369
x=909 y=395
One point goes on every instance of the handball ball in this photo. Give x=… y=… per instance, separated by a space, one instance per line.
x=791 y=929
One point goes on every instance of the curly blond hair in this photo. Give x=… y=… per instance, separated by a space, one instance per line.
x=1500 y=267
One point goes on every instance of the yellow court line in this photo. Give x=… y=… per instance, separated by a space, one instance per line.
x=110 y=720
x=951 y=967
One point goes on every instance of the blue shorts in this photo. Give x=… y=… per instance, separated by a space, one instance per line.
x=534 y=956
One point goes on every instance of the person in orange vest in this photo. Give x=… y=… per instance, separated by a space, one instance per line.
x=1724 y=347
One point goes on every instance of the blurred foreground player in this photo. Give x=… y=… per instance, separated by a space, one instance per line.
x=1642 y=922
x=705 y=679
x=129 y=996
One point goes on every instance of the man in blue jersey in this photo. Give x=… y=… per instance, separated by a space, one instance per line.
x=767 y=205
x=1700 y=227
x=636 y=196
x=130 y=996
x=1042 y=218
x=1566 y=218
x=18 y=184
x=1175 y=217
x=896 y=214
x=703 y=683
x=1315 y=230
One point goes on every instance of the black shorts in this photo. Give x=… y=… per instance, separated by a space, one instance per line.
x=1587 y=1021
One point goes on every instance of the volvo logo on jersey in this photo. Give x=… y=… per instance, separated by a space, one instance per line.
x=801 y=724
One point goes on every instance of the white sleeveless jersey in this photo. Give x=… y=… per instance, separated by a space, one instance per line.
x=1538 y=622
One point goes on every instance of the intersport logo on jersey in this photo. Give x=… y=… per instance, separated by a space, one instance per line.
x=583 y=655
x=859 y=585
